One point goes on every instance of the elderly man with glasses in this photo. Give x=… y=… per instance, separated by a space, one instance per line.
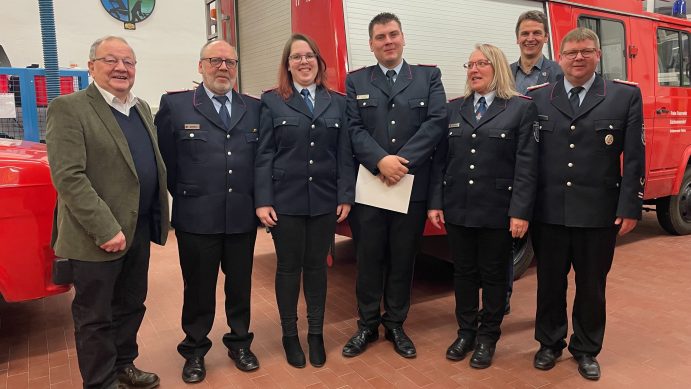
x=209 y=140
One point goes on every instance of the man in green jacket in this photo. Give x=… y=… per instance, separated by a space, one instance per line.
x=112 y=202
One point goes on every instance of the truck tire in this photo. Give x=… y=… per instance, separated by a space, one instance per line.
x=674 y=212
x=522 y=255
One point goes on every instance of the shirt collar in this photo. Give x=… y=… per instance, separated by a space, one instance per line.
x=489 y=98
x=312 y=88
x=114 y=102
x=538 y=65
x=586 y=86
x=397 y=68
x=212 y=94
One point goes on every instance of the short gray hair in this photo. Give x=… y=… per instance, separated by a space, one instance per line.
x=99 y=41
x=207 y=44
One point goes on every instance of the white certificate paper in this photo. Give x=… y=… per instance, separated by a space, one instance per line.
x=369 y=190
x=7 y=108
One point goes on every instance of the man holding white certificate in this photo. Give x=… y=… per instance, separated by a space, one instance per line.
x=396 y=115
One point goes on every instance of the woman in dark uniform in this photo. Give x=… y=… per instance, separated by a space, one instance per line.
x=483 y=189
x=304 y=183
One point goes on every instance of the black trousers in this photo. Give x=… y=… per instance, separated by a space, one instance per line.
x=108 y=308
x=590 y=251
x=386 y=244
x=200 y=257
x=480 y=257
x=302 y=244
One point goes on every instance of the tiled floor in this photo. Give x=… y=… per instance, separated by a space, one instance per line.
x=647 y=343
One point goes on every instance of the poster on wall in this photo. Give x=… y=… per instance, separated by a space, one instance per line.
x=129 y=12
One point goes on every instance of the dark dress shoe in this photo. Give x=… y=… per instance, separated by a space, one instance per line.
x=244 y=358
x=358 y=343
x=294 y=354
x=401 y=342
x=194 y=370
x=482 y=356
x=545 y=358
x=588 y=367
x=459 y=348
x=135 y=378
x=317 y=351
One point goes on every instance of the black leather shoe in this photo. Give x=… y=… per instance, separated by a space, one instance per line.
x=459 y=348
x=194 y=370
x=401 y=342
x=317 y=351
x=358 y=343
x=293 y=349
x=482 y=356
x=244 y=358
x=545 y=358
x=588 y=367
x=135 y=378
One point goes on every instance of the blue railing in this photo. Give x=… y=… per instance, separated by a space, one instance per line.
x=24 y=84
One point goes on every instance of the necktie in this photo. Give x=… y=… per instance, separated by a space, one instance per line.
x=481 y=109
x=223 y=113
x=306 y=96
x=390 y=74
x=574 y=99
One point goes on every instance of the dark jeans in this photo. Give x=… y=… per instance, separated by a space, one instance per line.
x=480 y=257
x=200 y=257
x=386 y=244
x=108 y=308
x=302 y=244
x=590 y=252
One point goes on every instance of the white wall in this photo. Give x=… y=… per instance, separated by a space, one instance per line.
x=167 y=43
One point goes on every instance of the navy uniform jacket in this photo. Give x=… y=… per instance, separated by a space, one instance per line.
x=211 y=170
x=486 y=172
x=304 y=164
x=408 y=121
x=580 y=181
x=549 y=73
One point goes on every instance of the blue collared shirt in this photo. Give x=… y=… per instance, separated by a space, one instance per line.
x=523 y=81
x=586 y=87
x=489 y=98
x=312 y=88
x=217 y=104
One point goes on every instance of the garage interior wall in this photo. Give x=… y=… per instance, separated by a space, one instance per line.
x=167 y=43
x=442 y=32
x=260 y=43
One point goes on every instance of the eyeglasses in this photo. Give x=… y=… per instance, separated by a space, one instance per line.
x=112 y=61
x=299 y=57
x=216 y=62
x=585 y=53
x=481 y=64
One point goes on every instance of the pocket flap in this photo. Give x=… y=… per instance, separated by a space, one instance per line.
x=499 y=133
x=277 y=174
x=192 y=135
x=332 y=123
x=417 y=103
x=367 y=103
x=251 y=137
x=187 y=190
x=546 y=126
x=504 y=183
x=608 y=125
x=286 y=121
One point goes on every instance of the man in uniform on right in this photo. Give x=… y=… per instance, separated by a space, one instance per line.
x=584 y=198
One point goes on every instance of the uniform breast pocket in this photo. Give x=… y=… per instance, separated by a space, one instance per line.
x=418 y=108
x=454 y=140
x=192 y=145
x=501 y=139
x=368 y=112
x=286 y=131
x=544 y=129
x=332 y=128
x=610 y=134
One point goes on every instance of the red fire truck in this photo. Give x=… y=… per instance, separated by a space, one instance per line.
x=638 y=45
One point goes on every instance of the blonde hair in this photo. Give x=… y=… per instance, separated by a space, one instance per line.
x=580 y=34
x=502 y=83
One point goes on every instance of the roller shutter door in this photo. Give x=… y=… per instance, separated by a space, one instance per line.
x=439 y=32
x=263 y=28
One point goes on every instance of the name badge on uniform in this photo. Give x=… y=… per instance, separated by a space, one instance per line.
x=362 y=97
x=192 y=126
x=454 y=125
x=543 y=117
x=609 y=139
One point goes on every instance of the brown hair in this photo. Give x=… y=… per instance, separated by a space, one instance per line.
x=383 y=18
x=580 y=34
x=285 y=79
x=535 y=16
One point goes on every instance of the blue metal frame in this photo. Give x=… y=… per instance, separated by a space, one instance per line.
x=28 y=94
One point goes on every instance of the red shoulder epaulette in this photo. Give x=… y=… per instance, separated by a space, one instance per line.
x=172 y=92
x=538 y=86
x=456 y=98
x=355 y=70
x=625 y=82
x=525 y=97
x=270 y=89
x=337 y=91
x=427 y=64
